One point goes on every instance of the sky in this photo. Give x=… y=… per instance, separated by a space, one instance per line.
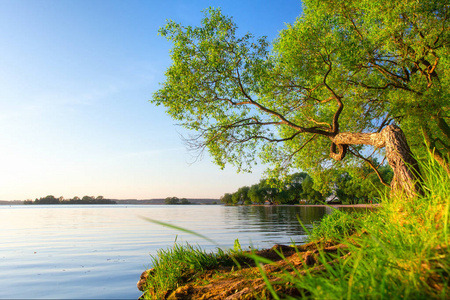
x=76 y=78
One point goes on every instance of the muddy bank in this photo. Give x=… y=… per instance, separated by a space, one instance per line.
x=245 y=281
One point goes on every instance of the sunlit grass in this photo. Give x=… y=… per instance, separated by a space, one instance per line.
x=181 y=263
x=398 y=251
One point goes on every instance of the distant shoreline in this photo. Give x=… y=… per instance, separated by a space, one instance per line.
x=156 y=201
x=205 y=202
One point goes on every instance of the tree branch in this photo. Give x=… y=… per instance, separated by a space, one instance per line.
x=274 y=113
x=288 y=160
x=370 y=163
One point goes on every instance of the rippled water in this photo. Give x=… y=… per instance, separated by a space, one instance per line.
x=99 y=252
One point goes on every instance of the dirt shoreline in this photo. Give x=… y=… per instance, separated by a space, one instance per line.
x=245 y=282
x=323 y=205
x=226 y=282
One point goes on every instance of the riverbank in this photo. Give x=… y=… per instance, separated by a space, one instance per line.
x=398 y=251
x=240 y=278
x=327 y=205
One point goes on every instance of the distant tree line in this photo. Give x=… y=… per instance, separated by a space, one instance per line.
x=175 y=200
x=50 y=199
x=359 y=185
x=288 y=191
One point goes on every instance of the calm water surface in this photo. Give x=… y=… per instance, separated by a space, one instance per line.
x=99 y=252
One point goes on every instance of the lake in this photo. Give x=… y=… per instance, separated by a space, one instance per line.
x=99 y=251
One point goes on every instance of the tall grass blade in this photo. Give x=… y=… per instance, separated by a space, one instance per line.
x=174 y=227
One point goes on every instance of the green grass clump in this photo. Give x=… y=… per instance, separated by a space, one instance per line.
x=337 y=226
x=179 y=264
x=399 y=251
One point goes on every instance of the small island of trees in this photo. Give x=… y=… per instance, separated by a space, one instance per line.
x=175 y=200
x=50 y=199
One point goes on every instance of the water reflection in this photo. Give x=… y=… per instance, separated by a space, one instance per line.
x=104 y=249
x=270 y=220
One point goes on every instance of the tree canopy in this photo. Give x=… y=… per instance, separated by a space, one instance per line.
x=344 y=78
x=176 y=200
x=290 y=190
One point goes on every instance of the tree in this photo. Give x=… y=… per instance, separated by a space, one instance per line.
x=359 y=185
x=87 y=199
x=343 y=78
x=257 y=194
x=227 y=199
x=310 y=193
x=261 y=192
x=172 y=200
x=287 y=191
x=241 y=195
x=50 y=199
x=274 y=190
x=184 y=201
x=294 y=187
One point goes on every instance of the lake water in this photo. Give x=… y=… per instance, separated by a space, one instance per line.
x=99 y=252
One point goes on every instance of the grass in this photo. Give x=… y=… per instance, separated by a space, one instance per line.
x=181 y=263
x=398 y=251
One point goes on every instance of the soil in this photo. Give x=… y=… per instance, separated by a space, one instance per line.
x=246 y=282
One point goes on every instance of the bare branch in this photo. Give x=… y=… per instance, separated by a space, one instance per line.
x=386 y=86
x=370 y=163
x=335 y=123
x=385 y=122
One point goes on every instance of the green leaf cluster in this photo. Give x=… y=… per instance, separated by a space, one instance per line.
x=342 y=66
x=290 y=190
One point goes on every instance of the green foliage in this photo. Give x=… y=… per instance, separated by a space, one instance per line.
x=241 y=195
x=257 y=194
x=205 y=62
x=310 y=193
x=360 y=185
x=237 y=246
x=357 y=185
x=184 y=201
x=176 y=200
x=337 y=226
x=178 y=264
x=227 y=199
x=291 y=190
x=393 y=52
x=50 y=199
x=343 y=66
x=398 y=251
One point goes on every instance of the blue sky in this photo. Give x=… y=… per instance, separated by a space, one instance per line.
x=75 y=80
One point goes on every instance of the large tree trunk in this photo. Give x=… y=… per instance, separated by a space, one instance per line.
x=407 y=178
